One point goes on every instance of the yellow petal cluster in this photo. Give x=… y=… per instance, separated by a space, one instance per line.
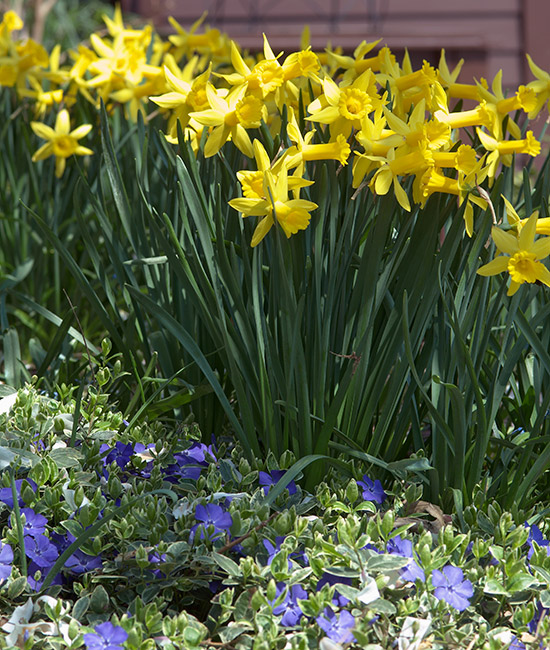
x=391 y=121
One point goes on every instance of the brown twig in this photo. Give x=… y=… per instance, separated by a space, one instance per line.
x=354 y=357
x=229 y=546
x=82 y=334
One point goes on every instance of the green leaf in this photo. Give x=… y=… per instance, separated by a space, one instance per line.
x=80 y=607
x=227 y=564
x=66 y=457
x=495 y=587
x=385 y=562
x=17 y=587
x=520 y=582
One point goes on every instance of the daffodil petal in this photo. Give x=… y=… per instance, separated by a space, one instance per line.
x=263 y=227
x=383 y=181
x=242 y=141
x=331 y=90
x=45 y=151
x=527 y=234
x=513 y=216
x=43 y=130
x=498 y=265
x=81 y=131
x=505 y=241
x=401 y=195
x=63 y=123
x=514 y=286
x=541 y=248
x=250 y=207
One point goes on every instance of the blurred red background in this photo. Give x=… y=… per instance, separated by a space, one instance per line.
x=488 y=34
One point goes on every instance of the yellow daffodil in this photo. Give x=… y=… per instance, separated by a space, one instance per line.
x=434 y=134
x=252 y=182
x=543 y=224
x=481 y=115
x=304 y=151
x=261 y=81
x=44 y=99
x=522 y=255
x=291 y=214
x=211 y=43
x=432 y=181
x=303 y=64
x=62 y=142
x=398 y=164
x=186 y=95
x=500 y=105
x=502 y=150
x=358 y=63
x=463 y=159
x=230 y=117
x=541 y=86
x=343 y=108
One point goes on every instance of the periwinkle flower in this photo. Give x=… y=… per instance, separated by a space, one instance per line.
x=535 y=535
x=80 y=562
x=267 y=479
x=120 y=453
x=35 y=524
x=41 y=550
x=6 y=495
x=403 y=547
x=198 y=451
x=211 y=515
x=451 y=587
x=36 y=583
x=6 y=560
x=329 y=579
x=155 y=558
x=540 y=615
x=289 y=608
x=516 y=644
x=338 y=628
x=106 y=637
x=372 y=490
x=273 y=549
x=62 y=542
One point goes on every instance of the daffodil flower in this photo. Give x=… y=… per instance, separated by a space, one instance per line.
x=252 y=182
x=304 y=151
x=343 y=108
x=448 y=80
x=541 y=86
x=524 y=98
x=434 y=181
x=502 y=150
x=62 y=142
x=522 y=255
x=186 y=95
x=263 y=79
x=398 y=164
x=230 y=117
x=291 y=214
x=481 y=115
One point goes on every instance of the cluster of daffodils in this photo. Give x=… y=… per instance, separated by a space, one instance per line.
x=391 y=122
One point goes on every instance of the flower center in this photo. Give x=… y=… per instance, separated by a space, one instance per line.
x=354 y=104
x=270 y=75
x=249 y=112
x=523 y=267
x=197 y=98
x=64 y=146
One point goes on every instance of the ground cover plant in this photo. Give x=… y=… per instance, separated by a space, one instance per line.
x=149 y=538
x=316 y=270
